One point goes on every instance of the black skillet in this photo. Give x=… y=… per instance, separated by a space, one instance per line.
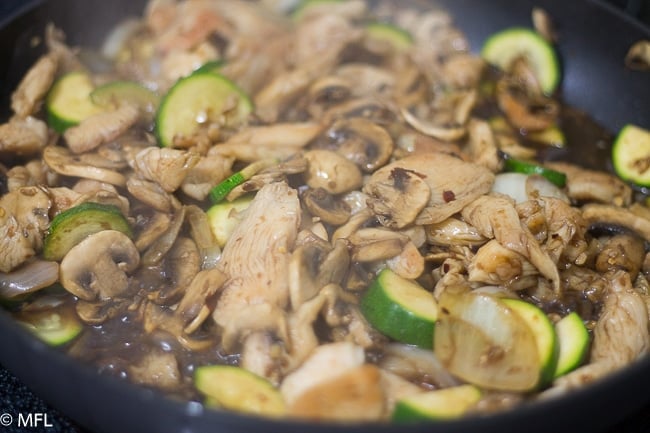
x=594 y=41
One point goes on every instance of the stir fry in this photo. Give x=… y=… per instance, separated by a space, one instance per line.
x=320 y=210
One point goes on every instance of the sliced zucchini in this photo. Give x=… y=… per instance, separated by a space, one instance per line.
x=300 y=11
x=68 y=102
x=573 y=339
x=239 y=390
x=225 y=216
x=502 y=48
x=397 y=37
x=219 y=192
x=631 y=155
x=75 y=224
x=441 y=404
x=547 y=344
x=519 y=166
x=400 y=309
x=551 y=136
x=55 y=327
x=113 y=93
x=211 y=66
x=198 y=99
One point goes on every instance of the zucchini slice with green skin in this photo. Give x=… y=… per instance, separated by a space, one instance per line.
x=219 y=192
x=113 y=93
x=631 y=155
x=68 y=102
x=225 y=216
x=441 y=404
x=547 y=344
x=300 y=10
x=398 y=37
x=55 y=328
x=211 y=66
x=75 y=224
x=551 y=136
x=573 y=339
x=400 y=309
x=198 y=99
x=237 y=389
x=502 y=48
x=518 y=166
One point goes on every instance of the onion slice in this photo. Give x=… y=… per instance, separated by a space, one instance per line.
x=29 y=278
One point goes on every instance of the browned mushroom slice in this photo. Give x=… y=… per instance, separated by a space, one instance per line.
x=332 y=172
x=624 y=251
x=326 y=92
x=520 y=98
x=362 y=141
x=97 y=267
x=442 y=132
x=328 y=208
x=60 y=160
x=373 y=244
x=182 y=263
x=452 y=184
x=150 y=193
x=195 y=306
x=99 y=311
x=607 y=215
x=369 y=108
x=161 y=246
x=638 y=58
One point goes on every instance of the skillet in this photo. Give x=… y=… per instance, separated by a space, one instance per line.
x=594 y=40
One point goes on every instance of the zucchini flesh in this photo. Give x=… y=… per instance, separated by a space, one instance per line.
x=75 y=224
x=55 y=328
x=502 y=48
x=200 y=99
x=225 y=216
x=441 y=404
x=116 y=92
x=397 y=37
x=631 y=155
x=573 y=340
x=219 y=192
x=68 y=102
x=240 y=390
x=400 y=309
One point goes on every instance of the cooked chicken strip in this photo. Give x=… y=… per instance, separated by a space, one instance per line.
x=167 y=167
x=591 y=185
x=496 y=217
x=256 y=260
x=23 y=136
x=27 y=98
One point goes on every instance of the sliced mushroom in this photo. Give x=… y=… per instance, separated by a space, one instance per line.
x=638 y=58
x=397 y=196
x=150 y=193
x=328 y=208
x=97 y=312
x=332 y=172
x=608 y=215
x=369 y=108
x=362 y=141
x=373 y=244
x=182 y=263
x=60 y=160
x=622 y=252
x=446 y=133
x=157 y=250
x=97 y=267
x=313 y=265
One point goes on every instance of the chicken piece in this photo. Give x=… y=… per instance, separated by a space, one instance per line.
x=621 y=333
x=496 y=265
x=256 y=261
x=28 y=96
x=623 y=251
x=167 y=167
x=151 y=194
x=23 y=221
x=398 y=190
x=205 y=174
x=496 y=217
x=23 y=136
x=156 y=368
x=566 y=229
x=483 y=148
x=590 y=185
x=101 y=128
x=34 y=173
x=279 y=141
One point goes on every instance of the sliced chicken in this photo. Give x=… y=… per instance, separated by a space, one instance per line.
x=165 y=166
x=496 y=217
x=590 y=185
x=256 y=261
x=23 y=136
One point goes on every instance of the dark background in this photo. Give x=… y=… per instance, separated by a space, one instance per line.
x=15 y=398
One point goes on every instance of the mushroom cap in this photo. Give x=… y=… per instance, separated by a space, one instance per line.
x=97 y=267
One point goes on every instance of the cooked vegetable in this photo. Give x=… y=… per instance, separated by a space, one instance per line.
x=482 y=341
x=441 y=404
x=117 y=92
x=202 y=98
x=55 y=327
x=236 y=389
x=397 y=37
x=305 y=5
x=518 y=166
x=631 y=155
x=73 y=225
x=68 y=102
x=502 y=48
x=552 y=136
x=401 y=309
x=573 y=343
x=211 y=66
x=225 y=216
x=219 y=192
x=547 y=344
